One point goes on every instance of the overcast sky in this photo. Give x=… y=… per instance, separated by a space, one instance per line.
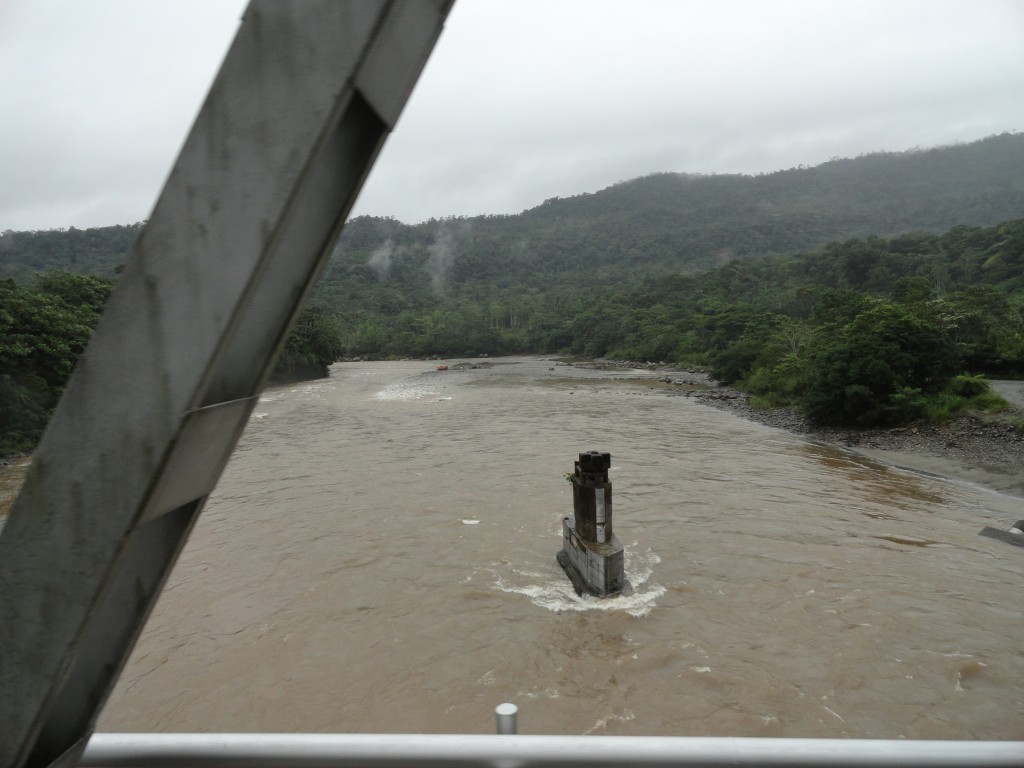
x=522 y=100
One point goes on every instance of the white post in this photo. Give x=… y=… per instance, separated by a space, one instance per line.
x=505 y=719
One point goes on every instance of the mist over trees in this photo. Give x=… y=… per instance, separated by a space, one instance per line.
x=866 y=291
x=689 y=223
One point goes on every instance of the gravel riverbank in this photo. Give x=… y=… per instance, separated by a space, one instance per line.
x=981 y=449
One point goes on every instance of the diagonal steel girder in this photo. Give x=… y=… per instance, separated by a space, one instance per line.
x=285 y=139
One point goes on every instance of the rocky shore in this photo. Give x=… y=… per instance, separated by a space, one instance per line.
x=983 y=449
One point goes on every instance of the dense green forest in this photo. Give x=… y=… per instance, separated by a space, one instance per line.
x=43 y=330
x=671 y=223
x=45 y=326
x=502 y=283
x=863 y=332
x=867 y=291
x=100 y=251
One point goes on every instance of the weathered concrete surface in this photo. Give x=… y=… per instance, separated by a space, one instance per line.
x=591 y=556
x=597 y=569
x=274 y=161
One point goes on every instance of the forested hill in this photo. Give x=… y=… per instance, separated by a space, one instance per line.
x=662 y=223
x=683 y=222
x=97 y=251
x=680 y=220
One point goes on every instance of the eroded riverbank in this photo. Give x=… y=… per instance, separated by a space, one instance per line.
x=972 y=448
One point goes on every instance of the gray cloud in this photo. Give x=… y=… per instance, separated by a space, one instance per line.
x=522 y=100
x=98 y=98
x=610 y=91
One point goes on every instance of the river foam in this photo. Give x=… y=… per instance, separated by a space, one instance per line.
x=554 y=592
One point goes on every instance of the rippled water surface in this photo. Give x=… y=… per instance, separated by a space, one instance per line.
x=380 y=556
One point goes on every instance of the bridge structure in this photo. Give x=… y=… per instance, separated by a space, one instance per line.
x=293 y=122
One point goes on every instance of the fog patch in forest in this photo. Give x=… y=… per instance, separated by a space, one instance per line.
x=380 y=259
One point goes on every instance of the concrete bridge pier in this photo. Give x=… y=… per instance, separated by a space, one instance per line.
x=591 y=555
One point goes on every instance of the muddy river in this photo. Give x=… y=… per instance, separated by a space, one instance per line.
x=380 y=556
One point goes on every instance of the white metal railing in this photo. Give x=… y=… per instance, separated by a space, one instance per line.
x=266 y=750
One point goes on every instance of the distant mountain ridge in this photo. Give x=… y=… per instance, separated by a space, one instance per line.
x=663 y=223
x=673 y=222
x=95 y=251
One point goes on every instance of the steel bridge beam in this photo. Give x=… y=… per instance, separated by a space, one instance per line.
x=285 y=139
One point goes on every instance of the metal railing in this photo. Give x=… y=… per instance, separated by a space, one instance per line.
x=300 y=750
x=269 y=750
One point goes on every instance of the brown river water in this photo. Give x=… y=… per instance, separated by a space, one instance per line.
x=380 y=557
